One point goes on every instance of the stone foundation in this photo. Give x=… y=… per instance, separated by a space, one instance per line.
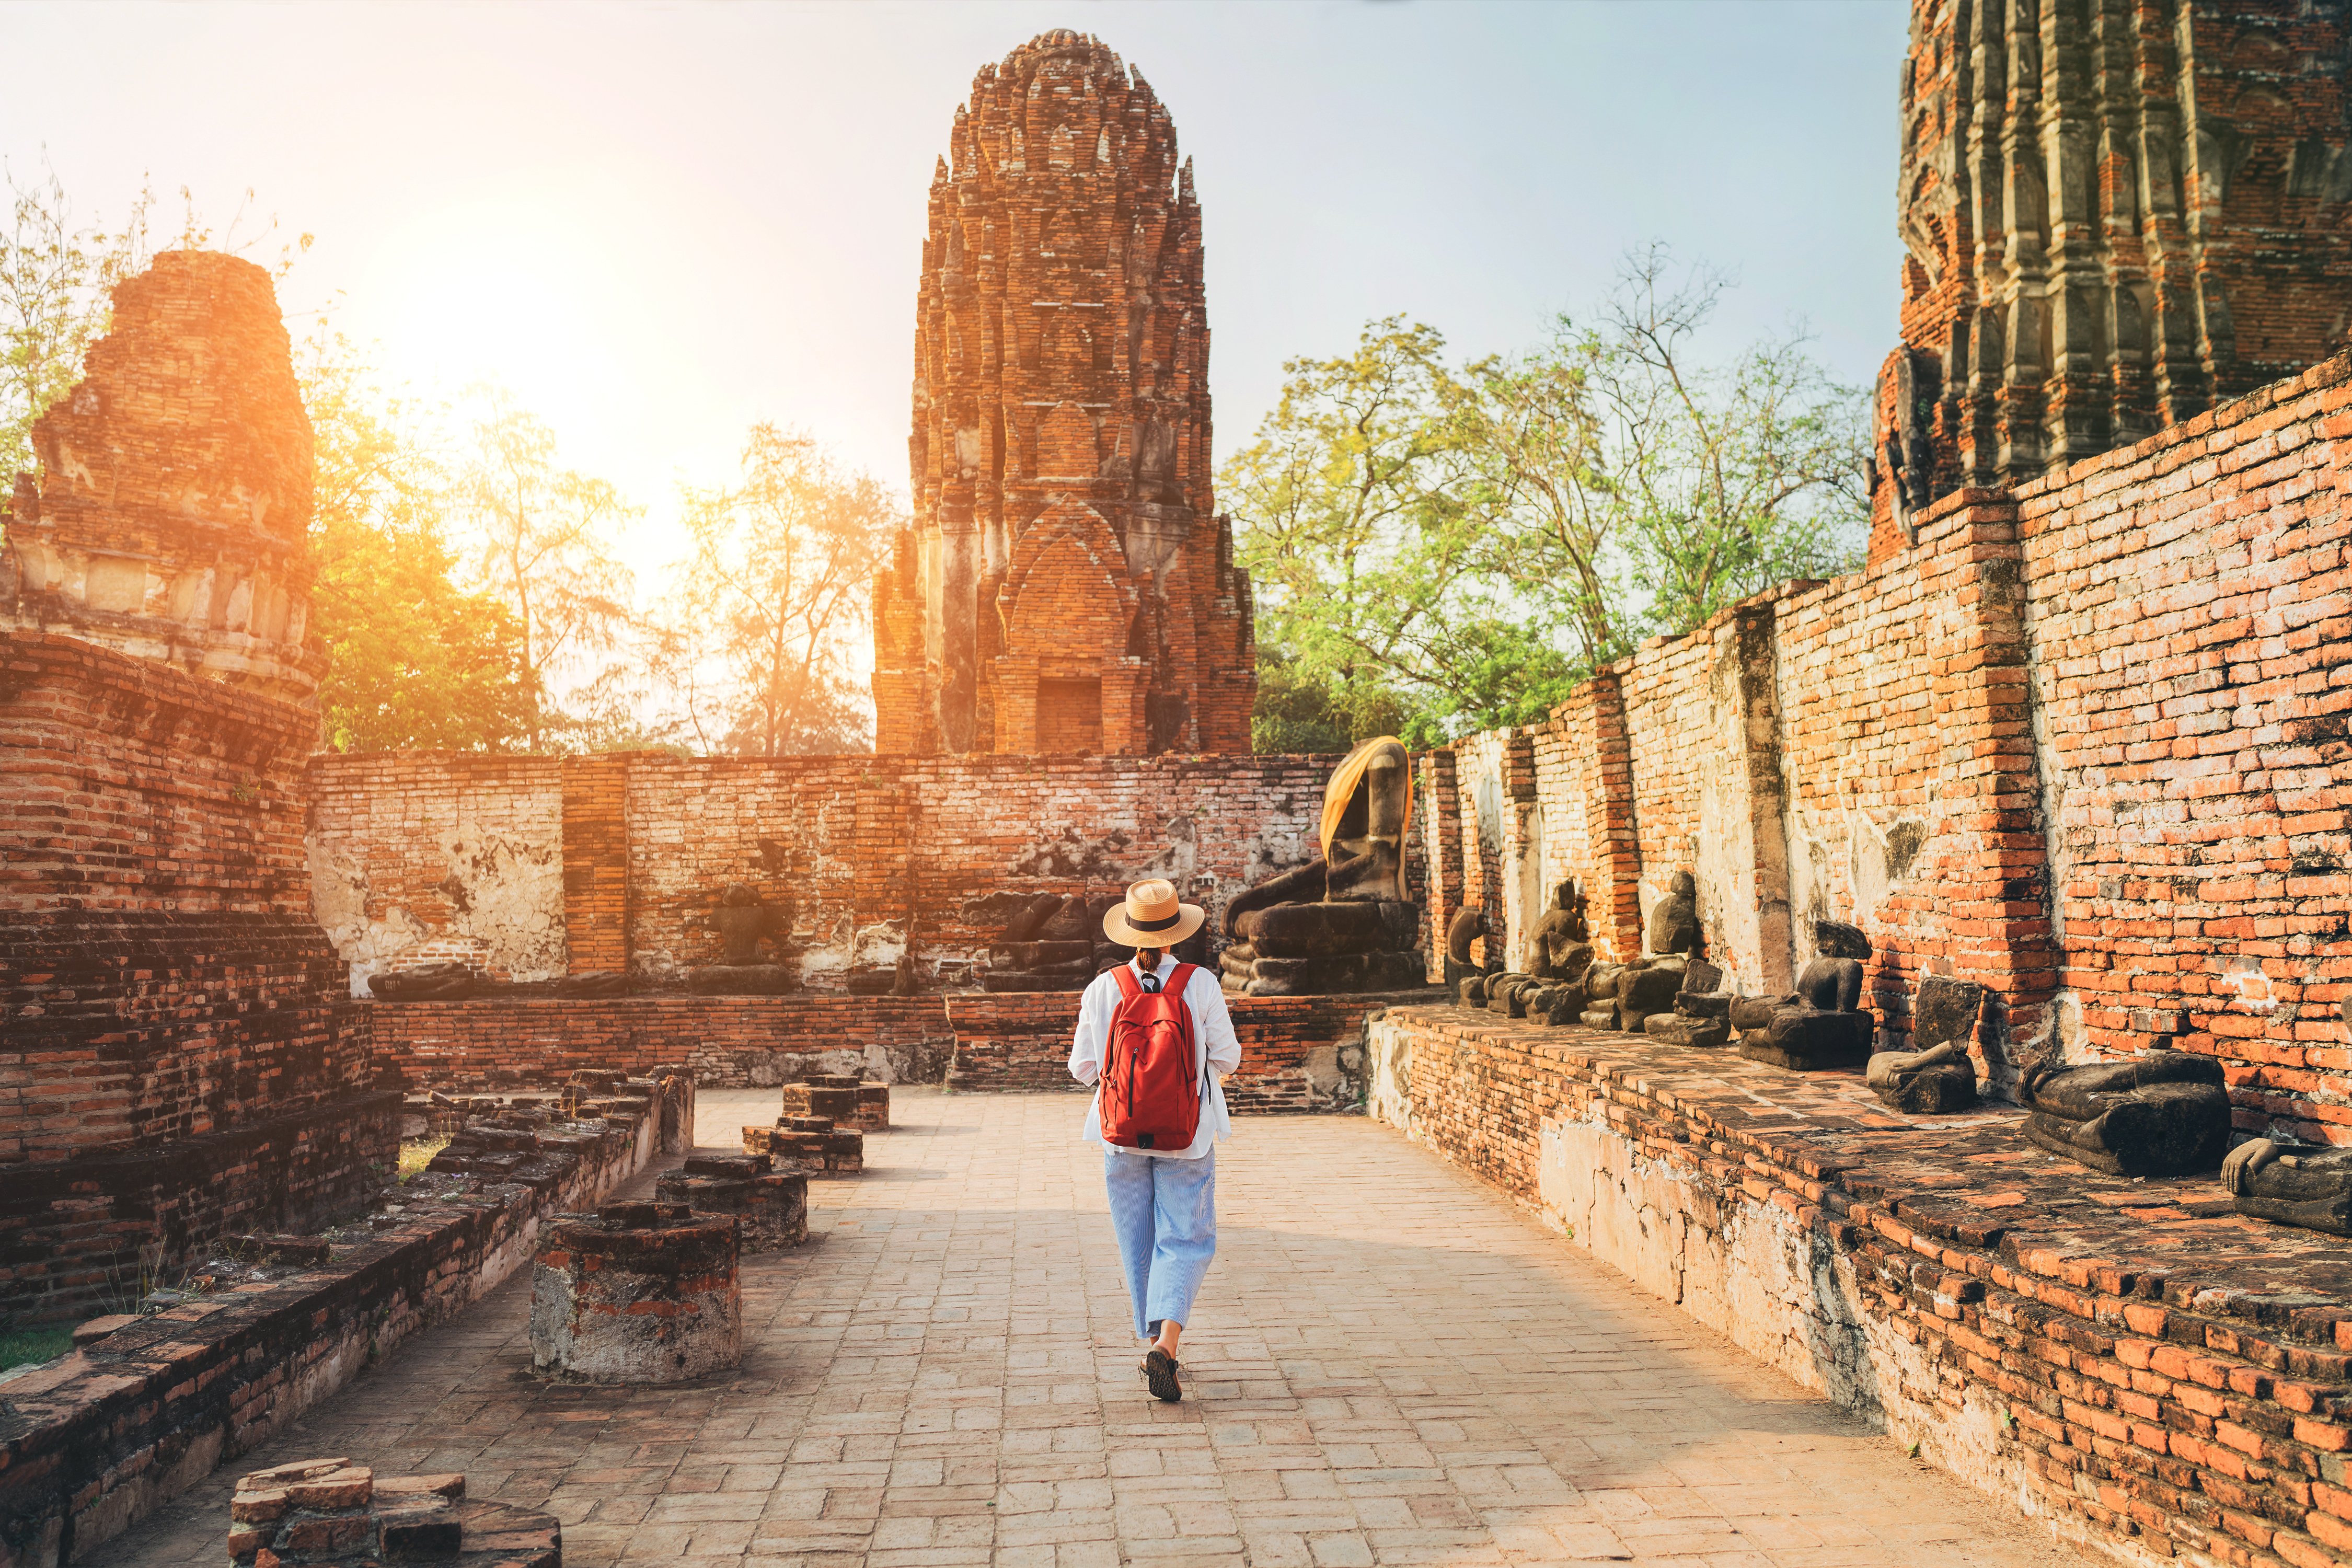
x=639 y=1293
x=2158 y=1377
x=97 y=1440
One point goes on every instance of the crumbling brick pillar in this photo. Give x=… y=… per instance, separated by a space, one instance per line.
x=169 y=518
x=1984 y=914
x=1438 y=802
x=1594 y=719
x=1743 y=865
x=1524 y=896
x=596 y=864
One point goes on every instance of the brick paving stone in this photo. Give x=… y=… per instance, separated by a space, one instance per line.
x=1391 y=1365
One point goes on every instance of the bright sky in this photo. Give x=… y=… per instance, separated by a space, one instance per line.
x=658 y=224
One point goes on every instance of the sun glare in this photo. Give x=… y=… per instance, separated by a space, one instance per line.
x=513 y=293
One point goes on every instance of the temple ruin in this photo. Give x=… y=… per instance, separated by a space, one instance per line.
x=1932 y=980
x=1066 y=585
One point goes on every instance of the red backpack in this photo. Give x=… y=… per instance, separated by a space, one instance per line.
x=1149 y=1097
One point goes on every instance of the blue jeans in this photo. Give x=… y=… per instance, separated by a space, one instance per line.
x=1165 y=1212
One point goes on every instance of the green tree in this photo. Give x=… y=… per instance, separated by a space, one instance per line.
x=761 y=635
x=1352 y=525
x=1464 y=548
x=413 y=659
x=1727 y=480
x=57 y=277
x=544 y=545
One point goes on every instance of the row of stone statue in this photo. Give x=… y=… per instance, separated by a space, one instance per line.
x=2163 y=1113
x=1674 y=995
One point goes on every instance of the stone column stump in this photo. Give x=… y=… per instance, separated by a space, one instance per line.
x=636 y=1293
x=773 y=1205
x=832 y=1096
x=812 y=1144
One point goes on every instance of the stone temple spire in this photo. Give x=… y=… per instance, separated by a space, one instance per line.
x=2114 y=217
x=1067 y=585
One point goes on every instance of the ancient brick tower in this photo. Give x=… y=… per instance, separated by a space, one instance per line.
x=1066 y=585
x=179 y=1057
x=2116 y=212
x=170 y=517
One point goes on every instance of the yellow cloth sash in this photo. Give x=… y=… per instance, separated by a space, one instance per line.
x=1343 y=784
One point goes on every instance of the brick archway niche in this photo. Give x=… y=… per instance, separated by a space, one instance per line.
x=1066 y=681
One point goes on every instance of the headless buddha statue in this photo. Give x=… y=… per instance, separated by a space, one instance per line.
x=1340 y=922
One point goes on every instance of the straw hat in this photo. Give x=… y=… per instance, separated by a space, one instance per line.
x=1151 y=917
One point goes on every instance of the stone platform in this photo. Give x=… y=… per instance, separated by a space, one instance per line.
x=2150 y=1371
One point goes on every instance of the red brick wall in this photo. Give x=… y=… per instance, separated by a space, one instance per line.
x=129 y=786
x=2188 y=620
x=2083 y=743
x=178 y=1055
x=597 y=863
x=464 y=852
x=844 y=842
x=2148 y=1378
x=159 y=976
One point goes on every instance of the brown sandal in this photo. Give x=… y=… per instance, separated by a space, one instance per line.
x=1160 y=1376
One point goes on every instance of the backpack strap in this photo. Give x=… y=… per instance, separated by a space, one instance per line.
x=1178 y=978
x=1128 y=990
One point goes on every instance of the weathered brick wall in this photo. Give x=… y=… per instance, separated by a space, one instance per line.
x=2082 y=743
x=178 y=1056
x=2156 y=1377
x=1665 y=692
x=159 y=976
x=426 y=846
x=2190 y=619
x=130 y=785
x=464 y=851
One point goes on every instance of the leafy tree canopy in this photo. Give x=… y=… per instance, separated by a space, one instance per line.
x=414 y=658
x=1444 y=549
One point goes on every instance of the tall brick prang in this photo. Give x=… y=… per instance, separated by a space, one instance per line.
x=2114 y=217
x=1065 y=584
x=180 y=1057
x=171 y=516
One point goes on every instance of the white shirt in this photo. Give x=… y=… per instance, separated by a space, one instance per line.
x=1213 y=1044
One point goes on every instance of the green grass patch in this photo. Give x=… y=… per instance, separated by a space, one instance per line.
x=23 y=1346
x=417 y=1153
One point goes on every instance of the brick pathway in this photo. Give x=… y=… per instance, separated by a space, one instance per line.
x=1391 y=1364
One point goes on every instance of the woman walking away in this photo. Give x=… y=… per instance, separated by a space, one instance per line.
x=1154 y=1037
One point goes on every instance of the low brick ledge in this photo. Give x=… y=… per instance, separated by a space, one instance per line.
x=2179 y=1378
x=97 y=1441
